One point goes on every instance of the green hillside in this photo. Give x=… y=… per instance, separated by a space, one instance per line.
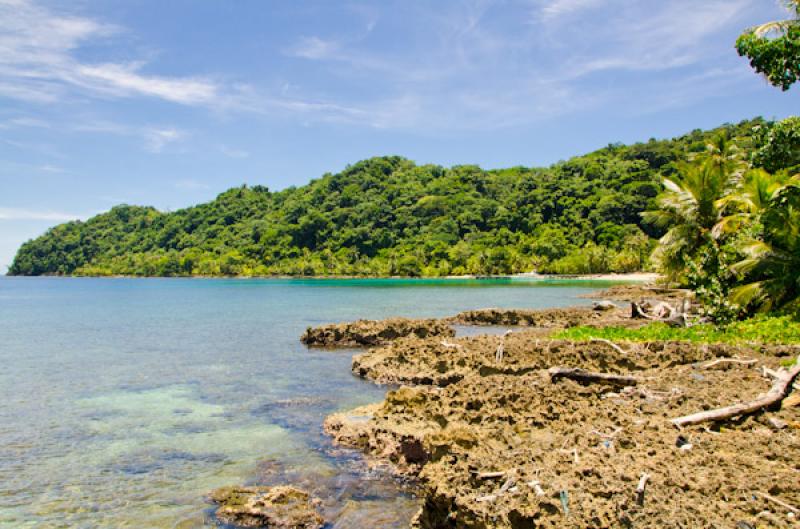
x=388 y=216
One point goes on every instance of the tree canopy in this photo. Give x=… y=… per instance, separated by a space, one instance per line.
x=774 y=48
x=388 y=216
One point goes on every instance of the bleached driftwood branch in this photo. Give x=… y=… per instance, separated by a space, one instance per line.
x=782 y=503
x=780 y=389
x=609 y=343
x=744 y=361
x=662 y=312
x=641 y=488
x=581 y=375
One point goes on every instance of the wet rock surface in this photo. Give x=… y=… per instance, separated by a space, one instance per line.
x=374 y=332
x=269 y=507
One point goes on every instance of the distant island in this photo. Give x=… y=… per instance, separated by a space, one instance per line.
x=387 y=216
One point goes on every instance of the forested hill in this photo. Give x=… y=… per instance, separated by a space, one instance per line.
x=388 y=216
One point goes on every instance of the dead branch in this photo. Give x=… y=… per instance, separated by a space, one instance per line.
x=744 y=361
x=609 y=343
x=611 y=435
x=637 y=312
x=782 y=503
x=780 y=389
x=581 y=375
x=663 y=312
x=641 y=487
x=537 y=487
x=491 y=475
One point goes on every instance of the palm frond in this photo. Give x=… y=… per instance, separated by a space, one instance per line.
x=748 y=294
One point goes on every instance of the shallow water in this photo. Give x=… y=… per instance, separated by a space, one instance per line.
x=125 y=400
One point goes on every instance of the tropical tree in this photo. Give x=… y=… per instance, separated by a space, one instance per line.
x=770 y=271
x=774 y=48
x=778 y=145
x=689 y=207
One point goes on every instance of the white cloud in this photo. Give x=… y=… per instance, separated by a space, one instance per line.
x=313 y=48
x=558 y=8
x=28 y=122
x=38 y=63
x=31 y=214
x=157 y=139
x=641 y=37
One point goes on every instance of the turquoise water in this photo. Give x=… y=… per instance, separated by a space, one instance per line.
x=123 y=401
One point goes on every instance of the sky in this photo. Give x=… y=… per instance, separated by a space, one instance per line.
x=170 y=102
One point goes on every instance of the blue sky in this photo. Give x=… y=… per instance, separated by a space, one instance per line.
x=170 y=102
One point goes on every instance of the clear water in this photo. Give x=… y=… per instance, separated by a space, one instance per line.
x=123 y=401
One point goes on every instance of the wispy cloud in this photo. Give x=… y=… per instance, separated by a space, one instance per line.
x=313 y=48
x=154 y=138
x=26 y=122
x=232 y=152
x=38 y=61
x=557 y=8
x=157 y=139
x=486 y=68
x=672 y=36
x=32 y=214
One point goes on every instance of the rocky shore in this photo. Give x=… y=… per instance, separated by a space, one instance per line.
x=373 y=332
x=510 y=432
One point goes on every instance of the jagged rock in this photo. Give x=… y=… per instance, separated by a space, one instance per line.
x=374 y=332
x=502 y=446
x=272 y=507
x=546 y=318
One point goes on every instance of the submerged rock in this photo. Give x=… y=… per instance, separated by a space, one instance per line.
x=278 y=507
x=374 y=332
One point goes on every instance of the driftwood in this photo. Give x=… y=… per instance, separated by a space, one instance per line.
x=492 y=475
x=641 y=488
x=780 y=389
x=662 y=312
x=744 y=361
x=782 y=503
x=501 y=349
x=611 y=344
x=581 y=375
x=506 y=487
x=537 y=487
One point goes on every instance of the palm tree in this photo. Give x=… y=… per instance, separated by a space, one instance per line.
x=690 y=206
x=771 y=267
x=749 y=201
x=774 y=48
x=779 y=27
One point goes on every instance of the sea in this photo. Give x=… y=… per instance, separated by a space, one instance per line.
x=124 y=401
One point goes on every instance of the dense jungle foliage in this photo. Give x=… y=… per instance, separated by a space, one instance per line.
x=387 y=216
x=733 y=221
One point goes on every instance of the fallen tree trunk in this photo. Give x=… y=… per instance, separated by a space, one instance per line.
x=780 y=389
x=582 y=375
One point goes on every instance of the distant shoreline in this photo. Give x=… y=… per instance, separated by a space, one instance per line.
x=631 y=277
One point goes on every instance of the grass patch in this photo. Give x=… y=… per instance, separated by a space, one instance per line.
x=763 y=329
